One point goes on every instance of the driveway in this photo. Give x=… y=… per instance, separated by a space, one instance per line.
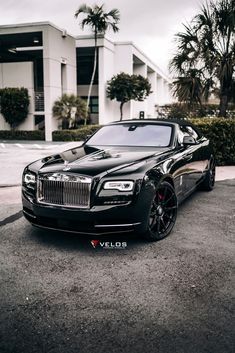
x=59 y=294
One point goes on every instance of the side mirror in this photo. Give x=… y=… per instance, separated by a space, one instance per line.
x=189 y=140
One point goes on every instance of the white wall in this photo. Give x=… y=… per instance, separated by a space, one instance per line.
x=113 y=59
x=57 y=50
x=152 y=98
x=18 y=75
x=140 y=69
x=106 y=70
x=123 y=63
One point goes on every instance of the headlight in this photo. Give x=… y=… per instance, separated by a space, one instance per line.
x=124 y=185
x=29 y=178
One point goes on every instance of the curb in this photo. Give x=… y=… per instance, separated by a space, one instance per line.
x=9 y=185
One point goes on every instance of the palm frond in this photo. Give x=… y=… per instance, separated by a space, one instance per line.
x=83 y=9
x=98 y=19
x=115 y=14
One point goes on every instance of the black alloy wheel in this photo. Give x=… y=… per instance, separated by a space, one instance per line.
x=163 y=212
x=209 y=181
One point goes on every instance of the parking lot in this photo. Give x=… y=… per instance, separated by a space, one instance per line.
x=59 y=294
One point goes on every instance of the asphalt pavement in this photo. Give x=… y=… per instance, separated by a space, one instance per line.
x=61 y=295
x=15 y=155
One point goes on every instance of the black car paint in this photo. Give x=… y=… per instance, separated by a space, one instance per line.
x=183 y=166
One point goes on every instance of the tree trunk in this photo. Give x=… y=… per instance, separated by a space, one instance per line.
x=223 y=105
x=92 y=77
x=121 y=111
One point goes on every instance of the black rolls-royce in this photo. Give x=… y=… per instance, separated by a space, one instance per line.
x=129 y=176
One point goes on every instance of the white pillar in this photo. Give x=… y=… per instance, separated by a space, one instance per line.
x=139 y=69
x=160 y=90
x=151 y=100
x=106 y=106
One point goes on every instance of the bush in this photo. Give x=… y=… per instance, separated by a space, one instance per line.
x=221 y=133
x=22 y=135
x=74 y=135
x=14 y=105
x=184 y=111
x=71 y=110
x=178 y=111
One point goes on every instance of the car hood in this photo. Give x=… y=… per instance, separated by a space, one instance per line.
x=93 y=161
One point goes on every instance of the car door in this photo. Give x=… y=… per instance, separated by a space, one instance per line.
x=193 y=157
x=179 y=169
x=179 y=173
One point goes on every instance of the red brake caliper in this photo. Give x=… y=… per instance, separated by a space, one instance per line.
x=161 y=197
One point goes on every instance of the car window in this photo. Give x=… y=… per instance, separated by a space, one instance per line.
x=133 y=134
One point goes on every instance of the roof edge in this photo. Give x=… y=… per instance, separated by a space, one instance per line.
x=36 y=24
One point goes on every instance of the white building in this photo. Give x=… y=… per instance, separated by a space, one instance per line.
x=48 y=62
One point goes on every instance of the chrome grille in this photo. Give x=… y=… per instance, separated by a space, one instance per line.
x=64 y=189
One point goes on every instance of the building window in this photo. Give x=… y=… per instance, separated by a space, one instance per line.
x=94 y=104
x=85 y=64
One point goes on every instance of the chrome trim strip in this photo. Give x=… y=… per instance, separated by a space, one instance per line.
x=77 y=232
x=117 y=225
x=63 y=206
x=29 y=214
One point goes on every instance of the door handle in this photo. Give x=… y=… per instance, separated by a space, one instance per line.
x=188 y=157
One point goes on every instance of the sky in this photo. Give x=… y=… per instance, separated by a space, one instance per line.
x=150 y=24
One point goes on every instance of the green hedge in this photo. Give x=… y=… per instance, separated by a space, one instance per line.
x=221 y=133
x=22 y=135
x=59 y=135
x=74 y=135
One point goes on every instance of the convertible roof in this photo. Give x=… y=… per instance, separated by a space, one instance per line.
x=155 y=120
x=180 y=122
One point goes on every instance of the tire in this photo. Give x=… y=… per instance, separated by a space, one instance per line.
x=163 y=212
x=209 y=181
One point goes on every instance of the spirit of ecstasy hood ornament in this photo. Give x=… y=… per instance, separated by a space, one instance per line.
x=66 y=166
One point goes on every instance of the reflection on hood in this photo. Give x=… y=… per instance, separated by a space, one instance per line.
x=93 y=161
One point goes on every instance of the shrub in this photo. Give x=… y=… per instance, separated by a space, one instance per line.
x=22 y=135
x=14 y=105
x=71 y=110
x=221 y=133
x=74 y=135
x=178 y=111
x=183 y=111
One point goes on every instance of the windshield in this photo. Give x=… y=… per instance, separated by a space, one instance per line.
x=149 y=135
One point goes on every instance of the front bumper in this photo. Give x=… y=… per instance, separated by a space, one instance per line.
x=101 y=219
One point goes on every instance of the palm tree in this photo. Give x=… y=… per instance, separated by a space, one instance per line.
x=188 y=88
x=99 y=22
x=208 y=46
x=71 y=110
